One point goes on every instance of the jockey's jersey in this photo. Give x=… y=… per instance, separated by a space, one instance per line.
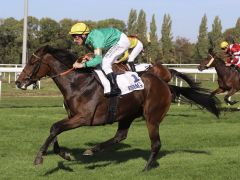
x=234 y=49
x=103 y=38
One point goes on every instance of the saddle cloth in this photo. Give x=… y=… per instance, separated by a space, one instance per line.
x=142 y=67
x=127 y=82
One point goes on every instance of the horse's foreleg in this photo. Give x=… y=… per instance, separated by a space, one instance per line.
x=120 y=135
x=229 y=94
x=56 y=129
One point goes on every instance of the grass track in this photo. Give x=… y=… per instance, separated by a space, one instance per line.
x=195 y=145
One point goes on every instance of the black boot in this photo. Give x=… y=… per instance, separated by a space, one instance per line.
x=114 y=87
x=132 y=66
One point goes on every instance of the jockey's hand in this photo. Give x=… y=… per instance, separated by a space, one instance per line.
x=78 y=65
x=228 y=64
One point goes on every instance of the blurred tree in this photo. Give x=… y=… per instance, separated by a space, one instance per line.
x=166 y=40
x=132 y=22
x=215 y=36
x=33 y=34
x=11 y=32
x=184 y=51
x=202 y=45
x=142 y=32
x=153 y=48
x=112 y=23
x=49 y=31
x=237 y=31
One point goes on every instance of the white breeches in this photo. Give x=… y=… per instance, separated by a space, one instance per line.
x=135 y=52
x=114 y=53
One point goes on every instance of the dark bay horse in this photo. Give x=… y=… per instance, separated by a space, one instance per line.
x=88 y=106
x=228 y=78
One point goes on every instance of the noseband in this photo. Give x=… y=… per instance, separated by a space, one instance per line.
x=37 y=63
x=210 y=62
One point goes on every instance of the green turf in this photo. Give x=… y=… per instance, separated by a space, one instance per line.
x=195 y=145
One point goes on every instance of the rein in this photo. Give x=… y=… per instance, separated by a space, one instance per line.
x=54 y=76
x=62 y=73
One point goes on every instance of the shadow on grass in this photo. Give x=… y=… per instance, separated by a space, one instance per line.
x=60 y=166
x=117 y=154
x=229 y=109
x=183 y=115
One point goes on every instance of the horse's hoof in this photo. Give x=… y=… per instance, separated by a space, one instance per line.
x=38 y=160
x=88 y=152
x=150 y=166
x=65 y=156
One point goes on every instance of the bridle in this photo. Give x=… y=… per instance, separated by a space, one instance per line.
x=210 y=62
x=37 y=63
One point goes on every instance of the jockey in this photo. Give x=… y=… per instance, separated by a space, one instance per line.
x=136 y=48
x=110 y=40
x=233 y=53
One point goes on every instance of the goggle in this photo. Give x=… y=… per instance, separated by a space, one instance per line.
x=76 y=36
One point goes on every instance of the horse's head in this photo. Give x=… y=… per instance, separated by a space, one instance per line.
x=208 y=62
x=36 y=68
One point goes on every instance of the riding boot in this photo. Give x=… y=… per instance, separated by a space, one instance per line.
x=114 y=87
x=132 y=66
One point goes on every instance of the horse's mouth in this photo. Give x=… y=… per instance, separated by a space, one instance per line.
x=201 y=68
x=22 y=86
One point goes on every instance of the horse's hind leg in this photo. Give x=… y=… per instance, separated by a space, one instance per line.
x=120 y=135
x=153 y=130
x=153 y=119
x=230 y=93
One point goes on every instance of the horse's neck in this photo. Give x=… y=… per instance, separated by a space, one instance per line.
x=220 y=67
x=73 y=81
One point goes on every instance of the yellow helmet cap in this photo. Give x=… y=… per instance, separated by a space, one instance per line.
x=224 y=44
x=79 y=28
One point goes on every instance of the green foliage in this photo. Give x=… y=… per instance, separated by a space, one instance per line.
x=132 y=22
x=166 y=40
x=112 y=23
x=153 y=47
x=202 y=44
x=184 y=51
x=215 y=36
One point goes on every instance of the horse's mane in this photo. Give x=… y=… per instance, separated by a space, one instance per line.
x=218 y=58
x=63 y=55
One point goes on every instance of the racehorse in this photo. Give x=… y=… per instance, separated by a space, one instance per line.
x=228 y=78
x=88 y=106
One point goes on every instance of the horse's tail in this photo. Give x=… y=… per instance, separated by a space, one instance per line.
x=199 y=97
x=185 y=77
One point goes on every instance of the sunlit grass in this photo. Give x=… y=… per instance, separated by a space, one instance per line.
x=195 y=144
